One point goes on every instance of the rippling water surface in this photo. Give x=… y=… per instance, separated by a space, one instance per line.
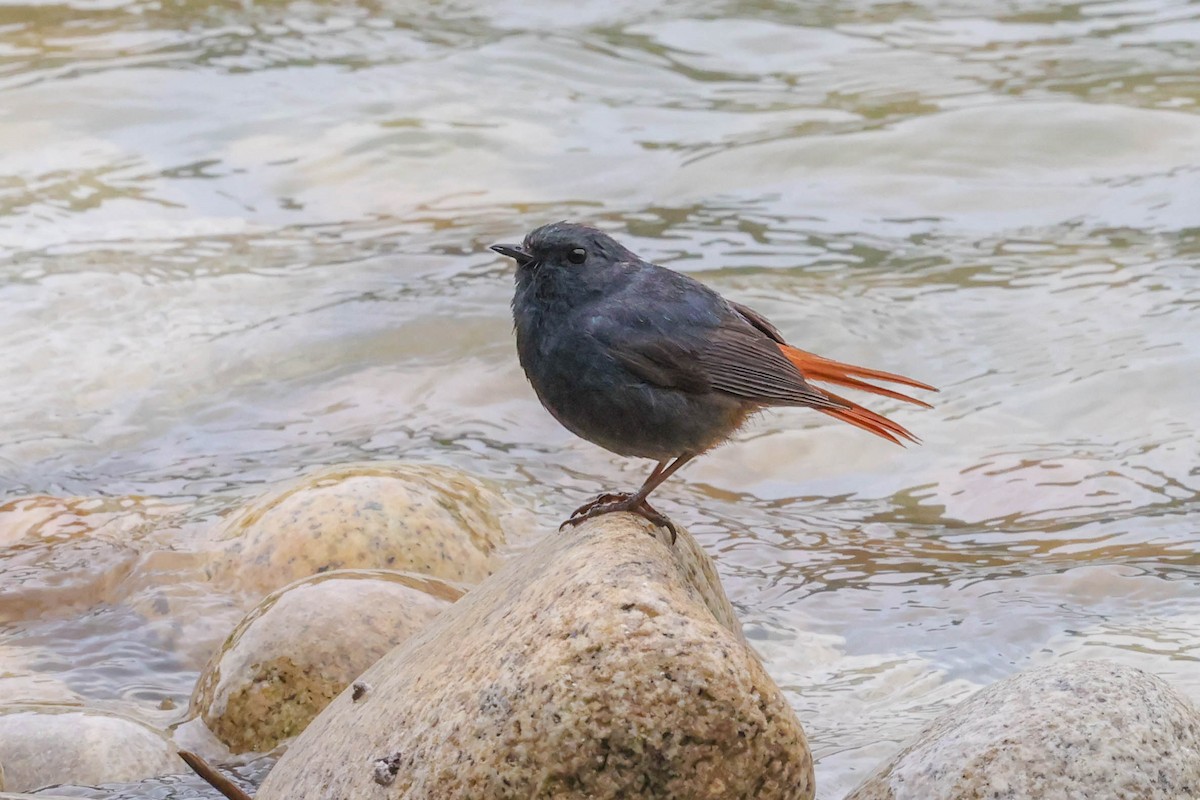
x=240 y=241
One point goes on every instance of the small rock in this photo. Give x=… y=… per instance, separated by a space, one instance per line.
x=303 y=644
x=386 y=769
x=601 y=663
x=43 y=747
x=1084 y=729
x=407 y=517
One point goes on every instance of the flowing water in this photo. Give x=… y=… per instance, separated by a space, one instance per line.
x=240 y=241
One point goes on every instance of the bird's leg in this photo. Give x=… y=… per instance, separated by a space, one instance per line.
x=614 y=497
x=634 y=503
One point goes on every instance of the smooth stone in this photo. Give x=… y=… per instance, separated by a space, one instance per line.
x=407 y=517
x=303 y=645
x=1074 y=730
x=603 y=662
x=44 y=747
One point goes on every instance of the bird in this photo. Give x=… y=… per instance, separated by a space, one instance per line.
x=647 y=362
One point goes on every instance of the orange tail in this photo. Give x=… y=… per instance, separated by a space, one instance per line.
x=816 y=368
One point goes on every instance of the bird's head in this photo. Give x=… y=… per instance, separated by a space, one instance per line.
x=565 y=246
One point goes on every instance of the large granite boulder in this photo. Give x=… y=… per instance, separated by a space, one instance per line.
x=603 y=662
x=1076 y=730
x=303 y=645
x=408 y=517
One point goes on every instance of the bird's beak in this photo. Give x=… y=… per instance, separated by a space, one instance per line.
x=514 y=252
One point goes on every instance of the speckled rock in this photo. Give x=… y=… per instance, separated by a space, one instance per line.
x=44 y=747
x=303 y=645
x=601 y=663
x=409 y=517
x=1090 y=729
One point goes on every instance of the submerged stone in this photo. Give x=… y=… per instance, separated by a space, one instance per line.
x=60 y=555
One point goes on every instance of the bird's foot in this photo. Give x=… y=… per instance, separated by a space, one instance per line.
x=609 y=503
x=605 y=499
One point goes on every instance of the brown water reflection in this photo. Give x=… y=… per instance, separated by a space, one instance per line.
x=240 y=242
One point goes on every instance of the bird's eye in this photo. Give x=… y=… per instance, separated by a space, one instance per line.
x=577 y=256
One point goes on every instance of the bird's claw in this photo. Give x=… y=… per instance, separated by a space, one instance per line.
x=605 y=499
x=610 y=503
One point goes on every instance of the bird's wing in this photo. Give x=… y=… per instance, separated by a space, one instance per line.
x=745 y=356
x=757 y=320
x=732 y=357
x=662 y=362
x=739 y=360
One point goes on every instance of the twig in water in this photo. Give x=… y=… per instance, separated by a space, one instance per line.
x=214 y=778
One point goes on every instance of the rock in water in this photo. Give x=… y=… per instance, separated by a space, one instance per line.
x=46 y=746
x=600 y=663
x=408 y=517
x=304 y=644
x=1077 y=730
